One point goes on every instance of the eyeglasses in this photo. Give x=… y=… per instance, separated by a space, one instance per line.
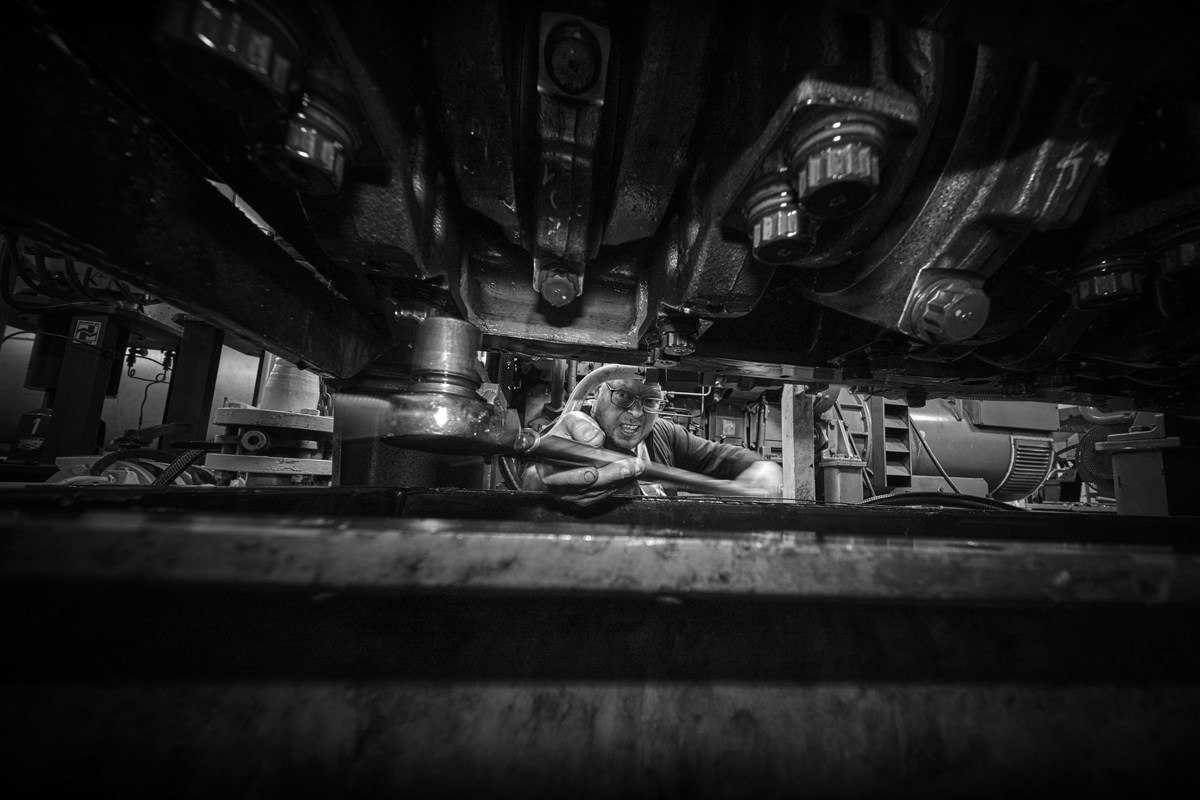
x=624 y=399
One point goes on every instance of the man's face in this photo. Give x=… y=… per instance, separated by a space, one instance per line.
x=625 y=427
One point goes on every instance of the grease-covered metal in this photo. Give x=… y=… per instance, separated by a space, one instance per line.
x=338 y=553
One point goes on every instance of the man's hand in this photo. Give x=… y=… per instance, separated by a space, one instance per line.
x=764 y=476
x=580 y=485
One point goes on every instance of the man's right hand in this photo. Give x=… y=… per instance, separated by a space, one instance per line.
x=580 y=485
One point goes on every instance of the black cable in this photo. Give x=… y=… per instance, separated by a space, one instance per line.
x=109 y=459
x=937 y=499
x=177 y=467
x=70 y=339
x=10 y=257
x=146 y=396
x=942 y=470
x=129 y=296
x=19 y=333
x=152 y=361
x=508 y=471
x=76 y=283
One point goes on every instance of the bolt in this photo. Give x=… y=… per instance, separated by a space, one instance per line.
x=780 y=230
x=1107 y=280
x=245 y=56
x=677 y=343
x=836 y=164
x=573 y=58
x=317 y=140
x=558 y=286
x=950 y=310
x=254 y=440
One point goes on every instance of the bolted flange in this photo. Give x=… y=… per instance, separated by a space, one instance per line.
x=677 y=335
x=677 y=343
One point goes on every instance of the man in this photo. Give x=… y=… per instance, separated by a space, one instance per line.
x=625 y=418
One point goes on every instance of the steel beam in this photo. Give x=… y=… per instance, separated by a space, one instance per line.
x=314 y=643
x=407 y=554
x=175 y=654
x=190 y=397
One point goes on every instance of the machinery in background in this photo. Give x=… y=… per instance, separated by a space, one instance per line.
x=133 y=461
x=864 y=446
x=285 y=440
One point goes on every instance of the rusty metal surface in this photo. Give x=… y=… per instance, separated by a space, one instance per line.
x=448 y=643
x=700 y=516
x=346 y=552
x=199 y=693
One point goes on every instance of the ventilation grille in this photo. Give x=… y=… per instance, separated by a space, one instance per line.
x=1031 y=463
x=1095 y=467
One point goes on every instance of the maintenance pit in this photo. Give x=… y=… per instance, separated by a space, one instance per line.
x=359 y=642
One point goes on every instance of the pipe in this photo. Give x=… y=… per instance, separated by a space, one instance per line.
x=529 y=445
x=1097 y=417
x=558 y=374
x=572 y=374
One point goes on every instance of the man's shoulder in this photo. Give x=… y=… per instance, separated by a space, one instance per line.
x=667 y=430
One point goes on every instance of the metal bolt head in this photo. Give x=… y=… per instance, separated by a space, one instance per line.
x=244 y=56
x=558 y=287
x=677 y=343
x=836 y=165
x=780 y=231
x=951 y=310
x=309 y=151
x=838 y=181
x=1108 y=281
x=573 y=58
x=779 y=236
